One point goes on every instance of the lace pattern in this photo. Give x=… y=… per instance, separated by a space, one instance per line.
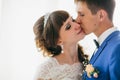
x=52 y=70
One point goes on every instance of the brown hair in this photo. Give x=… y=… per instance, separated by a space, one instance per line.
x=46 y=36
x=95 y=5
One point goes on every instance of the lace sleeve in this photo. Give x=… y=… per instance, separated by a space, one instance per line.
x=43 y=71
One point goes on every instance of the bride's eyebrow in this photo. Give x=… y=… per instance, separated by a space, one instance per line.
x=68 y=21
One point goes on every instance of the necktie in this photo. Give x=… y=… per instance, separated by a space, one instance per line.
x=97 y=46
x=96 y=43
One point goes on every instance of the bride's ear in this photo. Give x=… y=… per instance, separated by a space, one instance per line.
x=60 y=42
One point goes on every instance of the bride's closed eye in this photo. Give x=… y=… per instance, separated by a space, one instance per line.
x=68 y=26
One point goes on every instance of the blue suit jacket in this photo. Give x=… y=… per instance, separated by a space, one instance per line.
x=107 y=59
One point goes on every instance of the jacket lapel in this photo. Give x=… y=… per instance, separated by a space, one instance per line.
x=101 y=48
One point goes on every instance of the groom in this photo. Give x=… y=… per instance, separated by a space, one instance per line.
x=97 y=16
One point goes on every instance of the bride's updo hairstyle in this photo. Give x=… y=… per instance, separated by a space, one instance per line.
x=47 y=30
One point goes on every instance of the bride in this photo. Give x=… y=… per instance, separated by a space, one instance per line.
x=57 y=35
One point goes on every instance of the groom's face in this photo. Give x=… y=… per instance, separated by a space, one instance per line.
x=87 y=20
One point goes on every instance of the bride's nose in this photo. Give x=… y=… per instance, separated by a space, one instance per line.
x=76 y=26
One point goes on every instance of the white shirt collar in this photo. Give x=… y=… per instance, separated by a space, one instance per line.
x=105 y=34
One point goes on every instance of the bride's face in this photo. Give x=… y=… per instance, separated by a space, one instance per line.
x=71 y=32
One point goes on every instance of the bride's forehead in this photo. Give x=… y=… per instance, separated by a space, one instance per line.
x=69 y=19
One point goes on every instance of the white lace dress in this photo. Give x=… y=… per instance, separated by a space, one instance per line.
x=52 y=70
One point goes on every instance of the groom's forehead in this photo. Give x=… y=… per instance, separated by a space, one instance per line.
x=81 y=7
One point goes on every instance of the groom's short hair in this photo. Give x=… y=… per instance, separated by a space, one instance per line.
x=95 y=5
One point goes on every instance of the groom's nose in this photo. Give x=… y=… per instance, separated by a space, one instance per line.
x=78 y=20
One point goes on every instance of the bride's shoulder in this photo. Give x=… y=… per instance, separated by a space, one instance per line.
x=44 y=67
x=48 y=63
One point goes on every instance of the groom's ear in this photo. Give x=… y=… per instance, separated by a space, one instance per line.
x=102 y=14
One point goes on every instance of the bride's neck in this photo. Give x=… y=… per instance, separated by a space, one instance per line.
x=71 y=53
x=71 y=50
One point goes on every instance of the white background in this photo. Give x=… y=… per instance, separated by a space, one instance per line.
x=18 y=54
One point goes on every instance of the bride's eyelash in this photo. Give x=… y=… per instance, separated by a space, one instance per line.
x=68 y=26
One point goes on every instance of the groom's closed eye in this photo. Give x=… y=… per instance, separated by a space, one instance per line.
x=81 y=14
